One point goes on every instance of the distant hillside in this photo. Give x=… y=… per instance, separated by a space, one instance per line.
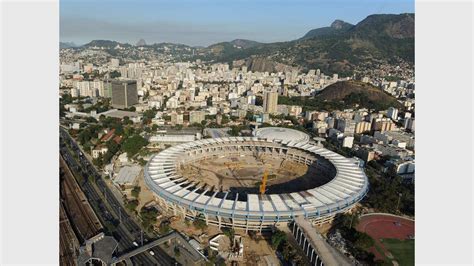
x=357 y=92
x=338 y=48
x=337 y=27
x=64 y=45
x=141 y=42
x=225 y=48
x=106 y=44
x=245 y=43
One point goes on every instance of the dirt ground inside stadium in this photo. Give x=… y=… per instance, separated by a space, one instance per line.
x=244 y=174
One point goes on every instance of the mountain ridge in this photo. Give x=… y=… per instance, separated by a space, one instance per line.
x=338 y=48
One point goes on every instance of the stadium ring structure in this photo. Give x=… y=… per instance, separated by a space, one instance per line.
x=258 y=212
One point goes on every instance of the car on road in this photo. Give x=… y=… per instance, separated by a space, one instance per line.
x=135 y=244
x=152 y=253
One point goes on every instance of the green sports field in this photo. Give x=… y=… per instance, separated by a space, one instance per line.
x=403 y=251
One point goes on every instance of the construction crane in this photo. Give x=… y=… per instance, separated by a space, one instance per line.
x=264 y=182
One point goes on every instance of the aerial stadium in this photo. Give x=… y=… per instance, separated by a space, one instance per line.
x=255 y=183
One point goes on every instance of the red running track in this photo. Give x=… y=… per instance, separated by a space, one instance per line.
x=381 y=226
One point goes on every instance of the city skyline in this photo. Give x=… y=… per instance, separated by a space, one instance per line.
x=206 y=23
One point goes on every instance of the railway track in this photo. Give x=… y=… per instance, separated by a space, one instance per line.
x=126 y=231
x=77 y=207
x=68 y=242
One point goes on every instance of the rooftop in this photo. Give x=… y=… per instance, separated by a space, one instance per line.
x=282 y=134
x=127 y=175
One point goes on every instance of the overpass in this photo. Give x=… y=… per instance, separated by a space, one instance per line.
x=315 y=247
x=197 y=256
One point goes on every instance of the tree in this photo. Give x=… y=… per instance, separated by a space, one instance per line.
x=148 y=216
x=99 y=161
x=133 y=144
x=177 y=252
x=277 y=238
x=90 y=119
x=229 y=232
x=131 y=205
x=199 y=223
x=364 y=241
x=136 y=191
x=164 y=227
x=114 y=74
x=349 y=220
x=287 y=251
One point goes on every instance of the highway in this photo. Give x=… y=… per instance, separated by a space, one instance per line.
x=111 y=211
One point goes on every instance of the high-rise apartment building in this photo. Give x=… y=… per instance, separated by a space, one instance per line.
x=346 y=126
x=114 y=62
x=124 y=93
x=270 y=102
x=177 y=119
x=392 y=113
x=362 y=127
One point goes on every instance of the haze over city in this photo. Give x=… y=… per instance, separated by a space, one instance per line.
x=201 y=23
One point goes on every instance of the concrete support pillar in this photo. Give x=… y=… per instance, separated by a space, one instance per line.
x=174 y=210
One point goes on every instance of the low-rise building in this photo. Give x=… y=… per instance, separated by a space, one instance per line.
x=99 y=150
x=196 y=117
x=127 y=175
x=348 y=142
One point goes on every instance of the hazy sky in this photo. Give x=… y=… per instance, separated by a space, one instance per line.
x=204 y=22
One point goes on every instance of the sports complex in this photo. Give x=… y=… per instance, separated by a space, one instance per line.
x=254 y=183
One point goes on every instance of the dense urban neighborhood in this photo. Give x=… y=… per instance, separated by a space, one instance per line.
x=201 y=156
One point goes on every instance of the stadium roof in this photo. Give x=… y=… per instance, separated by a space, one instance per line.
x=281 y=134
x=348 y=186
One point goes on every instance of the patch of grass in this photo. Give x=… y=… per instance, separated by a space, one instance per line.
x=402 y=250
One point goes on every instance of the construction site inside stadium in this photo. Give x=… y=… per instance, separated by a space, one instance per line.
x=241 y=171
x=254 y=183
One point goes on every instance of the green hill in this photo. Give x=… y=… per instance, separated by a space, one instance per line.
x=353 y=93
x=345 y=95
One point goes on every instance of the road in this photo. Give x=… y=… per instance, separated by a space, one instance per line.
x=110 y=211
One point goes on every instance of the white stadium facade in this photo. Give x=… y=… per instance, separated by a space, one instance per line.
x=253 y=211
